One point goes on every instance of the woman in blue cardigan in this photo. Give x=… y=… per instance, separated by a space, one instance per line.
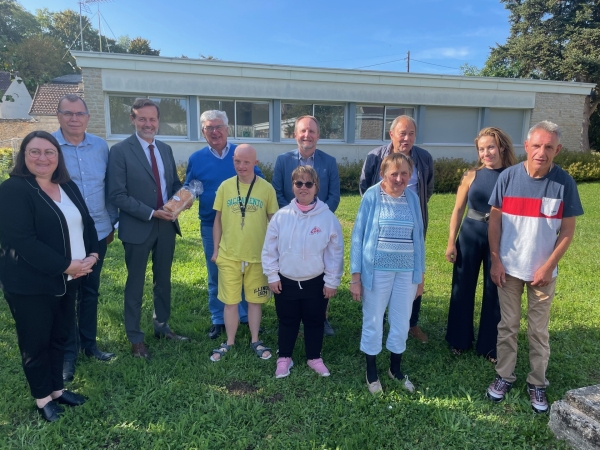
x=387 y=262
x=48 y=240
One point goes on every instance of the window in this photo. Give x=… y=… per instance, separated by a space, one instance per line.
x=173 y=115
x=331 y=119
x=247 y=119
x=370 y=120
x=449 y=125
x=510 y=121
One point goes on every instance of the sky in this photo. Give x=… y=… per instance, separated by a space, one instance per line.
x=441 y=35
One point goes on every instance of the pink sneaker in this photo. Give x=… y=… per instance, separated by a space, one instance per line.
x=283 y=367
x=318 y=366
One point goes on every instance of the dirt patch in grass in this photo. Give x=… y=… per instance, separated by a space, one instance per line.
x=273 y=398
x=240 y=388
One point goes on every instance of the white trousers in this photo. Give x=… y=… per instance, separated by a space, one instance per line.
x=397 y=290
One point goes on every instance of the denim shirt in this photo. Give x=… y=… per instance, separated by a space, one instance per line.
x=87 y=163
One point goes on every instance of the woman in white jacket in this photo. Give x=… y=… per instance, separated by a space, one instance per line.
x=303 y=258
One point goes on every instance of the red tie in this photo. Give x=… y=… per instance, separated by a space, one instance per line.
x=159 y=197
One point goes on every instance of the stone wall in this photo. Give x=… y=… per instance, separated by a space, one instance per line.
x=19 y=128
x=566 y=110
x=94 y=98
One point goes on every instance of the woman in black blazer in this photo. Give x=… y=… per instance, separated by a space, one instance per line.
x=48 y=240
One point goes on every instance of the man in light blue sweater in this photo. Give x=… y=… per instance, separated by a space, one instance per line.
x=212 y=165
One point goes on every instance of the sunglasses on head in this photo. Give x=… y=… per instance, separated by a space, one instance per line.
x=308 y=184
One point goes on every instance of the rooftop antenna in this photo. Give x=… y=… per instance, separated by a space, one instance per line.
x=83 y=6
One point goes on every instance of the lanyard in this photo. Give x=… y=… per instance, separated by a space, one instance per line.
x=243 y=208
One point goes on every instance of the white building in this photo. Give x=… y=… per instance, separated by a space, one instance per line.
x=355 y=107
x=16 y=99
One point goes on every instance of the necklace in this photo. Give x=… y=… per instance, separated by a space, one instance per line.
x=243 y=208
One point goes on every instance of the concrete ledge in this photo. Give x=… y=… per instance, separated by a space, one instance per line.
x=575 y=419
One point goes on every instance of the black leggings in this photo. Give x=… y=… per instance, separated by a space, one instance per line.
x=306 y=304
x=43 y=324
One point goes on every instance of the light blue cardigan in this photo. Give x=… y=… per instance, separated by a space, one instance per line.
x=366 y=233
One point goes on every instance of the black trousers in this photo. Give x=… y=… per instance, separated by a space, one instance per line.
x=472 y=251
x=301 y=301
x=43 y=325
x=416 y=310
x=85 y=326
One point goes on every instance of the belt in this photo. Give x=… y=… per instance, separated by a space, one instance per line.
x=479 y=216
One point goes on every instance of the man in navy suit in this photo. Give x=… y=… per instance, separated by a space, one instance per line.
x=142 y=176
x=307 y=133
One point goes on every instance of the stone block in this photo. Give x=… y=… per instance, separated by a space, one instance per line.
x=576 y=418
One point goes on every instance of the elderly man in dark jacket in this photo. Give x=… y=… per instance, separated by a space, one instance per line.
x=403 y=133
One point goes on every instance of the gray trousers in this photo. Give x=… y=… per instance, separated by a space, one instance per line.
x=161 y=243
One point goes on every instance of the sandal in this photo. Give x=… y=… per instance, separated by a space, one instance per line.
x=456 y=351
x=223 y=348
x=260 y=351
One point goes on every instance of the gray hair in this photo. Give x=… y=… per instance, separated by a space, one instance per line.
x=403 y=117
x=545 y=125
x=214 y=114
x=72 y=98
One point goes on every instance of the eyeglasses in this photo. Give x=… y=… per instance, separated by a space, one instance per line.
x=308 y=184
x=35 y=153
x=70 y=114
x=210 y=129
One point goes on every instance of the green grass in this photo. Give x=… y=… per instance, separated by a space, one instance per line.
x=179 y=399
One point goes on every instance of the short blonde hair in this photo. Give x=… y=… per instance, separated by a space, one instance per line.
x=306 y=170
x=396 y=160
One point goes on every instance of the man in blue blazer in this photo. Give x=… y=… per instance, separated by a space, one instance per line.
x=142 y=176
x=307 y=133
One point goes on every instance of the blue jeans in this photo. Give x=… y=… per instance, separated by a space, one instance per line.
x=216 y=306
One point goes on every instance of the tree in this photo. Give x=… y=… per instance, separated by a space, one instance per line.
x=552 y=40
x=41 y=58
x=15 y=22
x=141 y=46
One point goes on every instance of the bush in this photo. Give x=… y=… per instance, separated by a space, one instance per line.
x=582 y=166
x=447 y=173
x=181 y=169
x=350 y=175
x=267 y=170
x=6 y=162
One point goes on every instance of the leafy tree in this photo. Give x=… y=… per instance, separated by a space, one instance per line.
x=553 y=40
x=41 y=58
x=15 y=22
x=141 y=46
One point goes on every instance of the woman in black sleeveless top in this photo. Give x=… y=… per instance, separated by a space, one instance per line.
x=471 y=249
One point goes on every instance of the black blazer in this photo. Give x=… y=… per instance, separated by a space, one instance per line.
x=34 y=237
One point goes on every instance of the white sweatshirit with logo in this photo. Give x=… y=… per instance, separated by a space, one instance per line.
x=302 y=246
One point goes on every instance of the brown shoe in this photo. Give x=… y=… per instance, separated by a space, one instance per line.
x=139 y=350
x=171 y=336
x=417 y=333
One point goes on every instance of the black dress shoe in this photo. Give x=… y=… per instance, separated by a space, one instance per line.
x=68 y=371
x=98 y=354
x=171 y=336
x=215 y=331
x=51 y=411
x=70 y=399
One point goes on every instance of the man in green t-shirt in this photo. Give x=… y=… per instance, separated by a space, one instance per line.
x=244 y=204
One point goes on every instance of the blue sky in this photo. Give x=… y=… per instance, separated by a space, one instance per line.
x=327 y=33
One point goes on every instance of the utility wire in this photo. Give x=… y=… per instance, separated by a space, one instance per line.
x=387 y=62
x=439 y=65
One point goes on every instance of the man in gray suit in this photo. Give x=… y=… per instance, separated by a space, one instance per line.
x=140 y=181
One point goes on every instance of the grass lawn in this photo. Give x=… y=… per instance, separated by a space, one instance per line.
x=180 y=399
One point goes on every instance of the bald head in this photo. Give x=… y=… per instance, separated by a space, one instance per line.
x=244 y=160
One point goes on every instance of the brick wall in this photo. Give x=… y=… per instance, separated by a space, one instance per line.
x=94 y=98
x=19 y=128
x=566 y=110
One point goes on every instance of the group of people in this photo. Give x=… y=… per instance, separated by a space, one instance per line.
x=68 y=193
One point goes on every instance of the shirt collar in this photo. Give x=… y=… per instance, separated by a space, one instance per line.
x=62 y=141
x=223 y=153
x=145 y=144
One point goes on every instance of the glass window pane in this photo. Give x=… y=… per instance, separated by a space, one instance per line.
x=119 y=108
x=448 y=125
x=331 y=119
x=173 y=116
x=289 y=113
x=220 y=105
x=391 y=112
x=369 y=122
x=252 y=120
x=510 y=121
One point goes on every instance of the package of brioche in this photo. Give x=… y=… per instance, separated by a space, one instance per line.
x=184 y=198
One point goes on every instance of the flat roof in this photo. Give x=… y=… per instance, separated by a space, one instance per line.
x=125 y=61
